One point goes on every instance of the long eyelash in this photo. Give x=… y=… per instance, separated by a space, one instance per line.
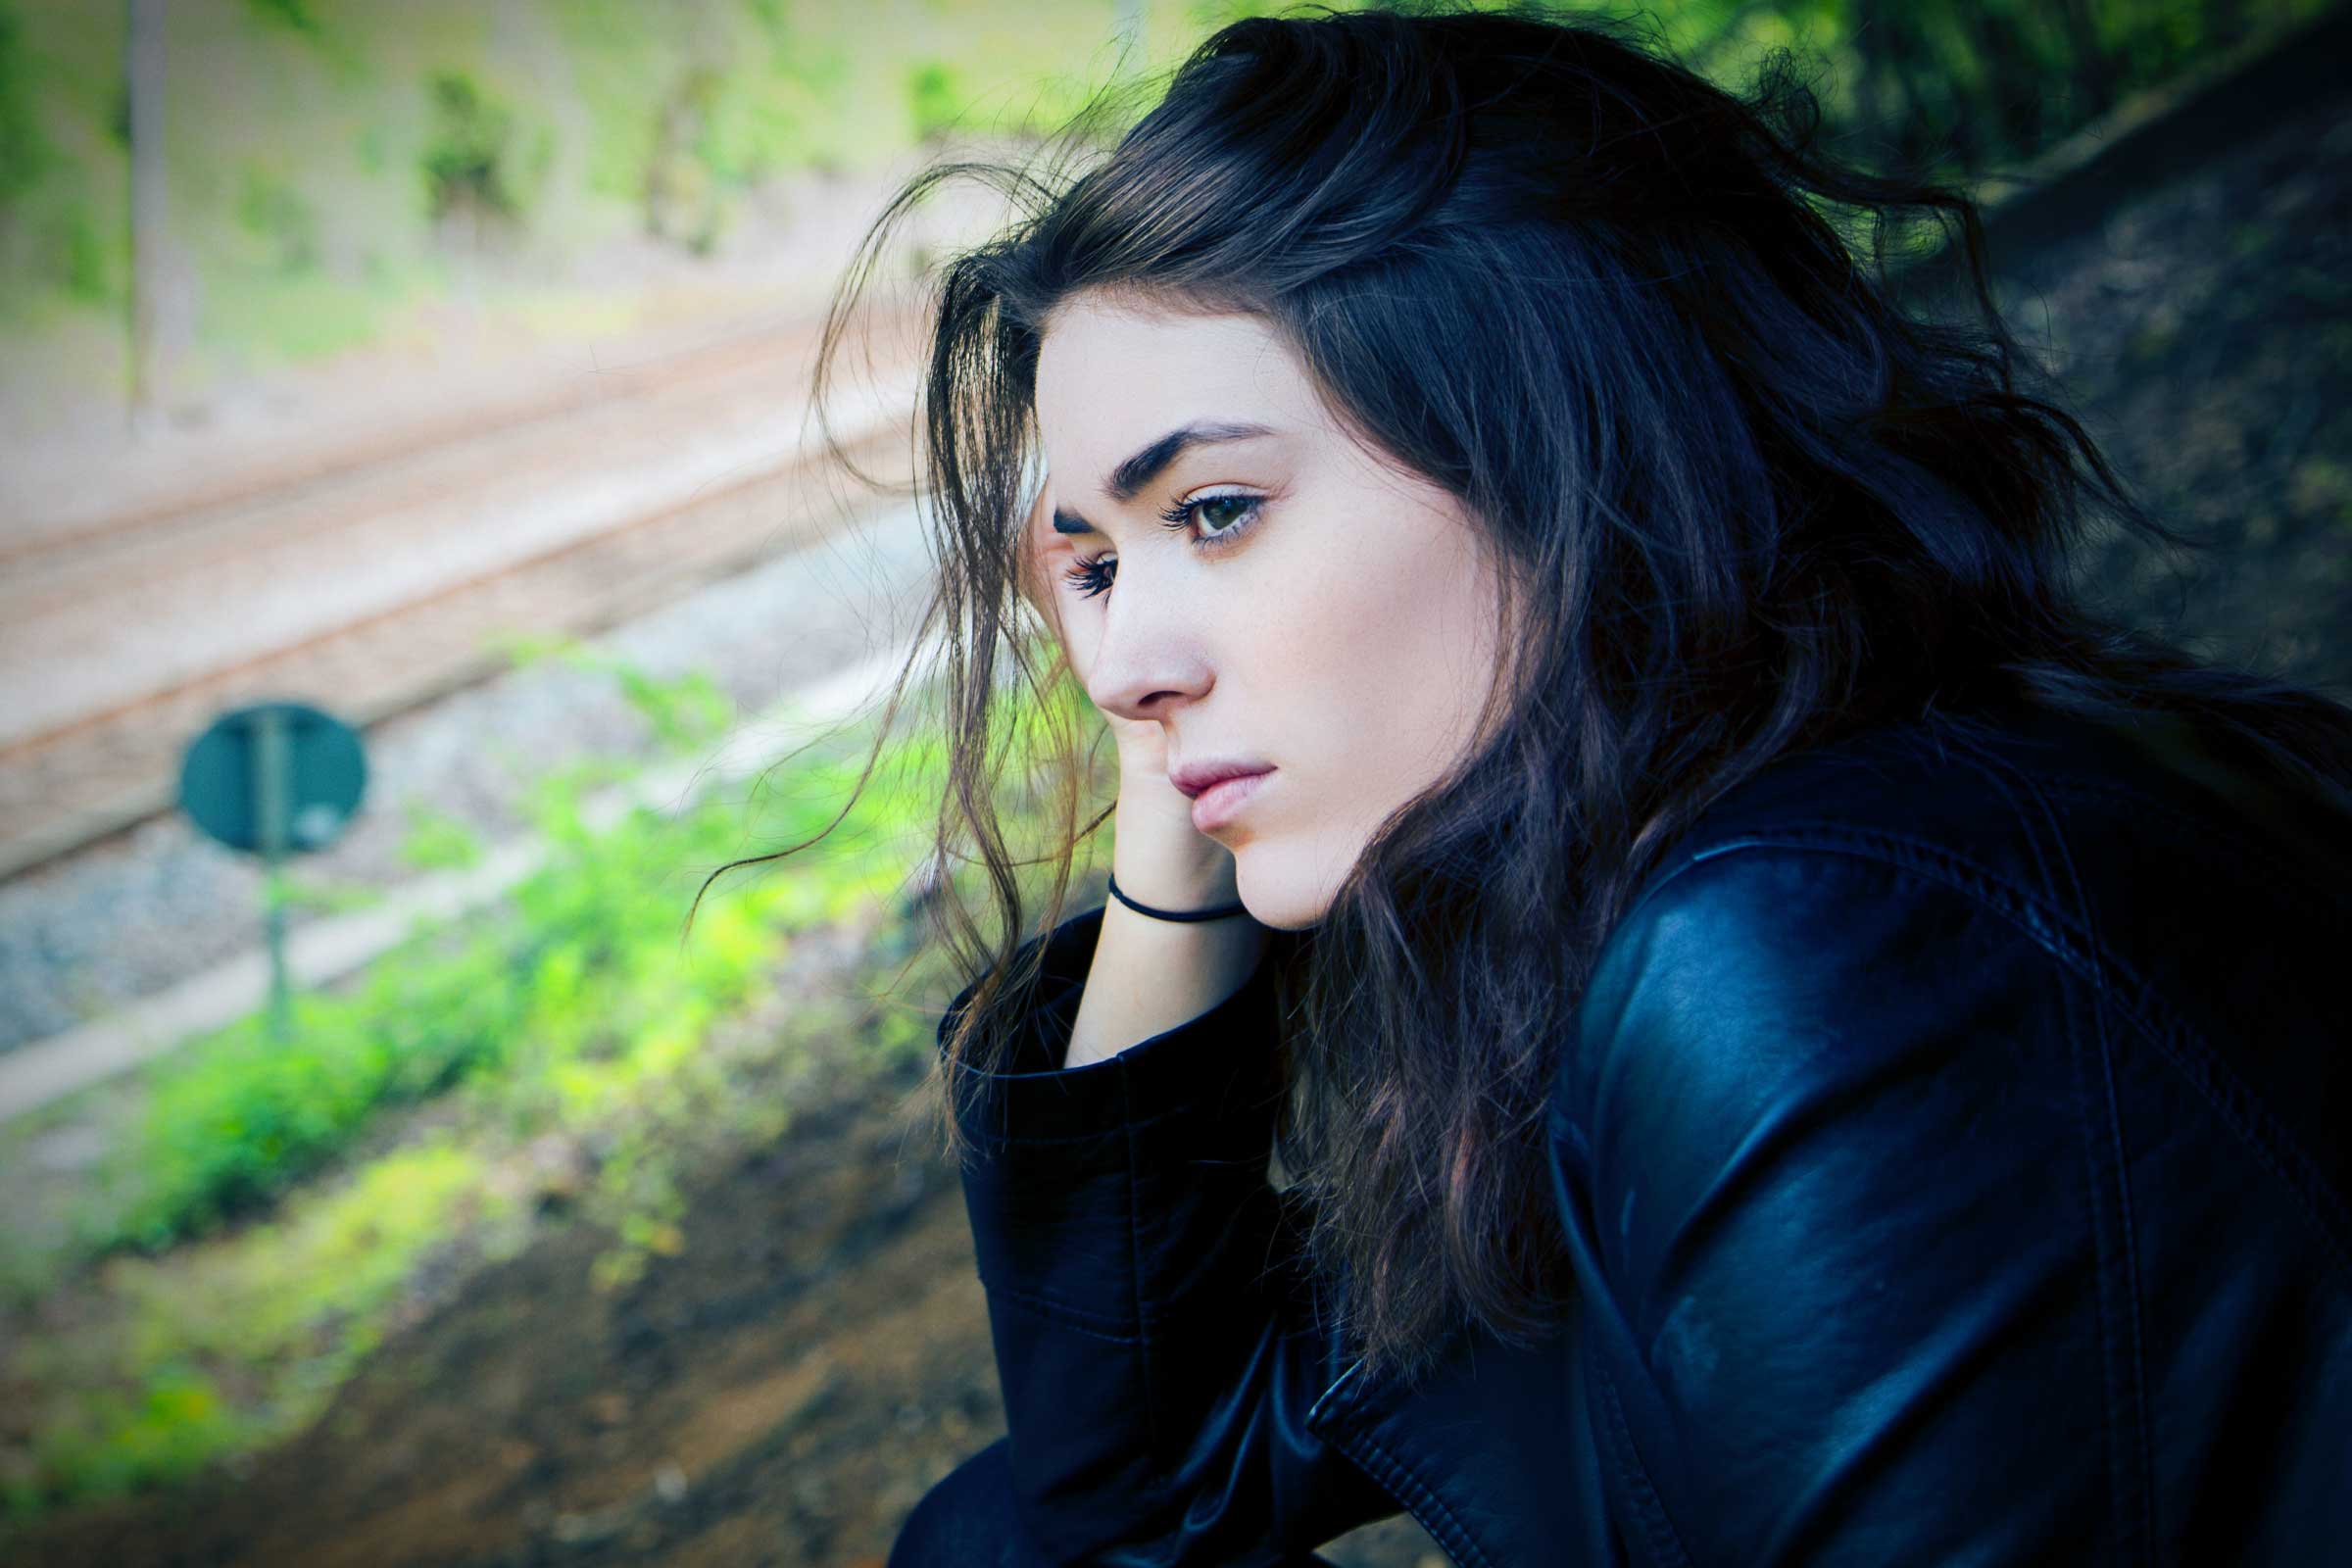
x=1091 y=578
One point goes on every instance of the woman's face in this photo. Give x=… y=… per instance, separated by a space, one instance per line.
x=1321 y=609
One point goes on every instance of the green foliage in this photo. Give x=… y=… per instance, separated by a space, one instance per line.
x=569 y=1016
x=568 y=1010
x=935 y=98
x=278 y=314
x=1207 y=16
x=93 y=270
x=234 y=1119
x=640 y=1204
x=670 y=125
x=25 y=152
x=292 y=13
x=436 y=841
x=577 y=993
x=684 y=713
x=749 y=134
x=112 y=1442
x=280 y=217
x=468 y=154
x=290 y=1306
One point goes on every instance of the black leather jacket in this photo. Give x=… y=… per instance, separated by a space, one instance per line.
x=1953 y=1149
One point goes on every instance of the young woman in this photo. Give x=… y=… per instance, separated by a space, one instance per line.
x=1669 y=995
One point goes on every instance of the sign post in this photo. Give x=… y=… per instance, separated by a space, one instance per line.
x=275 y=779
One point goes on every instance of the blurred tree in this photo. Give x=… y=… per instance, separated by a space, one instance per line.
x=467 y=156
x=277 y=215
x=934 y=98
x=293 y=13
x=149 y=207
x=1964 y=88
x=23 y=151
x=666 y=119
x=681 y=198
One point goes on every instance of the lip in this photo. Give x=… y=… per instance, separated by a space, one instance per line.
x=1219 y=803
x=1195 y=777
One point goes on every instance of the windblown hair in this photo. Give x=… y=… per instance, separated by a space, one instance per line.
x=1749 y=503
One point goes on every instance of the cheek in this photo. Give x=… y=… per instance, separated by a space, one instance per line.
x=1386 y=661
x=1392 y=621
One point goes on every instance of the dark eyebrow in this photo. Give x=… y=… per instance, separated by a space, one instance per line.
x=1128 y=479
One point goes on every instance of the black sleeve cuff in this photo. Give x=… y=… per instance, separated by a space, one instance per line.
x=1220 y=1065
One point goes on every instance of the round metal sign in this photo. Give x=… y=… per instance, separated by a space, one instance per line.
x=274 y=778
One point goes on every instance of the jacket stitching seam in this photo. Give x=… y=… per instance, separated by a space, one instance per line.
x=2050 y=926
x=1087 y=1322
x=2222 y=1090
x=2244 y=846
x=1147 y=1317
x=2134 y=1388
x=1135 y=1285
x=2127 y=1446
x=2124 y=1450
x=2136 y=1330
x=1395 y=1475
x=1656 y=1523
x=1101 y=1134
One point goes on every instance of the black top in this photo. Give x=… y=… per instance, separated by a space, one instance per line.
x=1951 y=1150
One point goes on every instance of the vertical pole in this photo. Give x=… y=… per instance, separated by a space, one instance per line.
x=269 y=814
x=143 y=74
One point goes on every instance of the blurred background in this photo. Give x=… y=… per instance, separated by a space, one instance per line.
x=418 y=572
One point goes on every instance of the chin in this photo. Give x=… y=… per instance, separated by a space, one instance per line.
x=1275 y=898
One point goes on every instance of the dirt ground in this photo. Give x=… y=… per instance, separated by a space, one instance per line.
x=784 y=1390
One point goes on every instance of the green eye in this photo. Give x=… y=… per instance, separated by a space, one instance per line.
x=1235 y=520
x=1242 y=517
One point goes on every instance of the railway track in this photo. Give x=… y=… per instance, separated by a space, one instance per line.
x=293 y=465
x=380 y=579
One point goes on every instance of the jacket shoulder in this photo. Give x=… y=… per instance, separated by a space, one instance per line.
x=1859 y=1088
x=2197 y=892
x=2150 y=840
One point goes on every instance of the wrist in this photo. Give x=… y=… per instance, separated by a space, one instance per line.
x=1170 y=867
x=1225 y=909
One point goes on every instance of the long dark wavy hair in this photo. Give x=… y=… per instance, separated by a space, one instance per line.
x=1648 y=332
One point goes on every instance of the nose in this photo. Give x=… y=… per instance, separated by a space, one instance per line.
x=1150 y=659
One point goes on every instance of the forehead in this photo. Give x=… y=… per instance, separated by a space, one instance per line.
x=1113 y=377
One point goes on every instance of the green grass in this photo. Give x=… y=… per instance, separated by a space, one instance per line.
x=266 y=1207
x=574 y=990
x=288 y=1308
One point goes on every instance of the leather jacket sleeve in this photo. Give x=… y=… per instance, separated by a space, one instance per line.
x=1823 y=1155
x=1156 y=1350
